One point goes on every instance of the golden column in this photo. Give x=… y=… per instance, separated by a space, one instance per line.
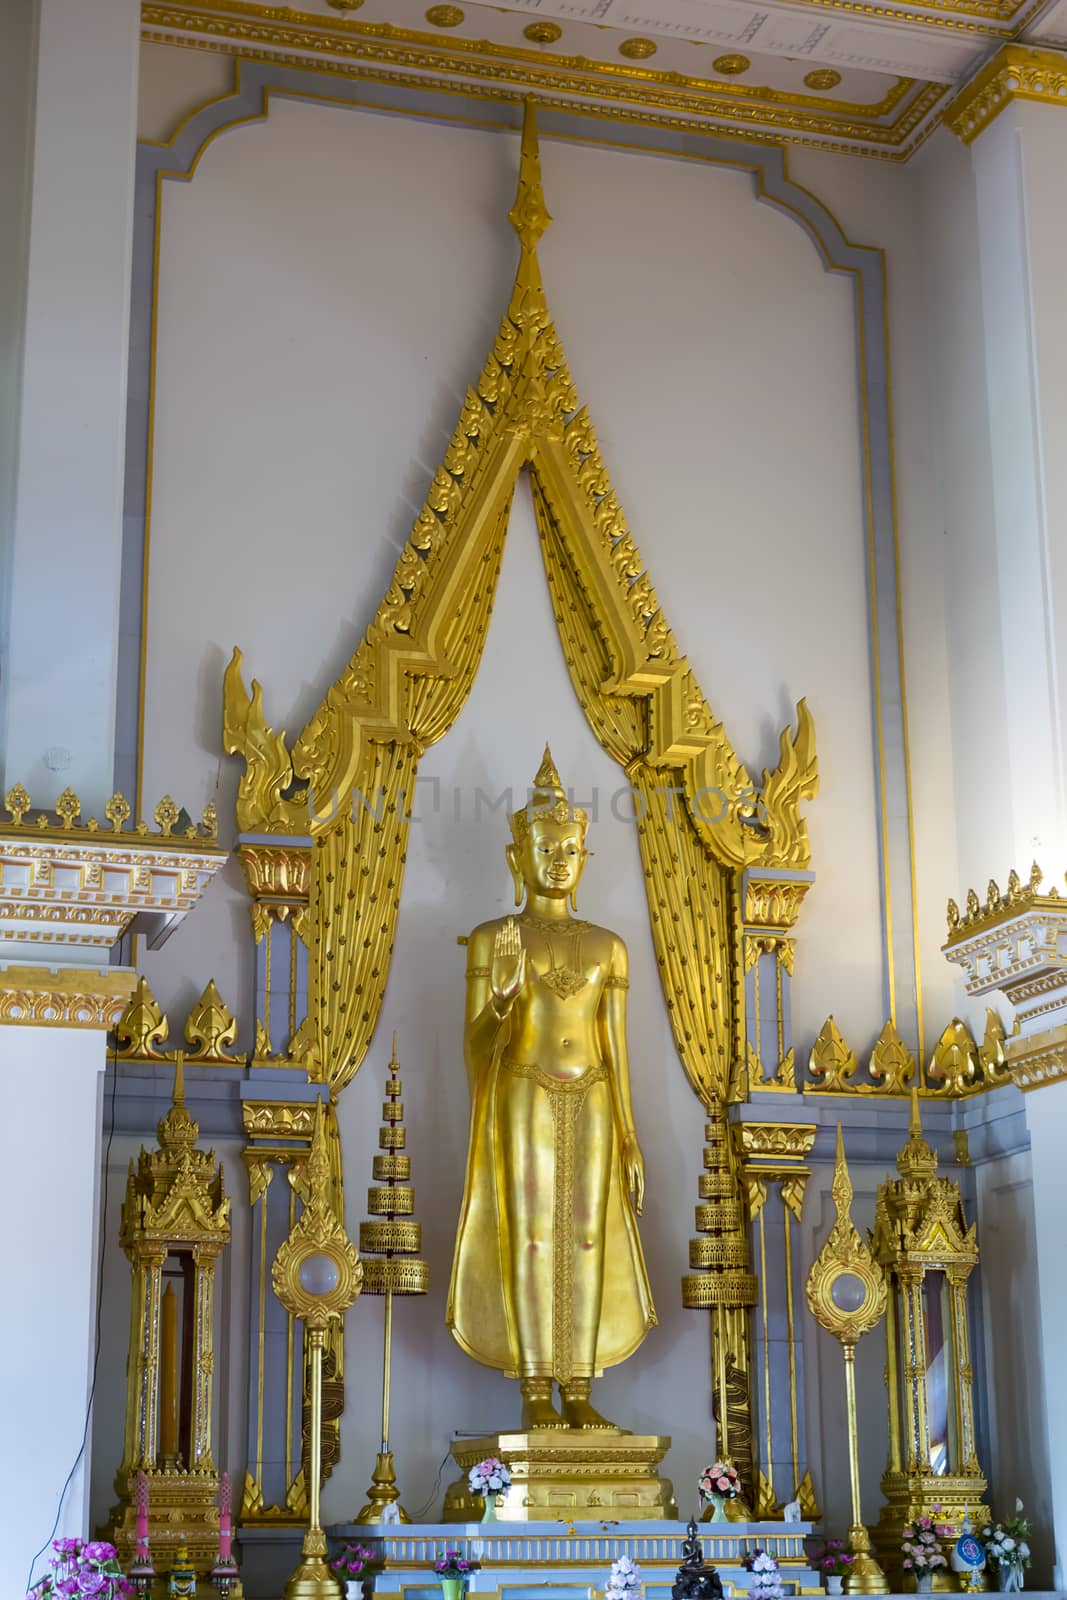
x=922 y=1241
x=389 y=1244
x=723 y=1284
x=772 y=1156
x=847 y=1297
x=175 y=1212
x=316 y=1276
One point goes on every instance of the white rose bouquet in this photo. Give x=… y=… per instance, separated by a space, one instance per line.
x=624 y=1582
x=1008 y=1544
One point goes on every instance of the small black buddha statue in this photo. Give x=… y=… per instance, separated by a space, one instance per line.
x=695 y=1581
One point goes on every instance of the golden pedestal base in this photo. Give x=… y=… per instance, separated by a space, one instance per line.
x=583 y=1474
x=383 y=1491
x=909 y=1496
x=312 y=1579
x=183 y=1510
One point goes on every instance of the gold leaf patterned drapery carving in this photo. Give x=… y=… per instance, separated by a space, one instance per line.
x=701 y=820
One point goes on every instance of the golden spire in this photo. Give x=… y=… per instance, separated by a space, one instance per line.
x=548 y=774
x=317 y=1165
x=177 y=1131
x=390 y=1243
x=529 y=215
x=547 y=799
x=391 y=1240
x=916 y=1159
x=841 y=1187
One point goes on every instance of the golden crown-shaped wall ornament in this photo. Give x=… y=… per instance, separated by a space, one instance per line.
x=210 y=1030
x=64 y=817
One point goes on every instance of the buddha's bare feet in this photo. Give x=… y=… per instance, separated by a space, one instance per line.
x=537 y=1408
x=577 y=1412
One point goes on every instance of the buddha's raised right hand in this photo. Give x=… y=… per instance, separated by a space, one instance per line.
x=508 y=972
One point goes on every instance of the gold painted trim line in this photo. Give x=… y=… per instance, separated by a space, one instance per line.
x=65 y=997
x=1016 y=72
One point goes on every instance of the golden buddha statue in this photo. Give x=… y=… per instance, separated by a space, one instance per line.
x=548 y=1282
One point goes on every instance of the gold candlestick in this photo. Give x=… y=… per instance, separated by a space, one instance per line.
x=317 y=1274
x=847 y=1297
x=168 y=1378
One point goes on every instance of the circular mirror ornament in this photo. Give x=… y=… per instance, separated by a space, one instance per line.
x=318 y=1274
x=846 y=1288
x=848 y=1292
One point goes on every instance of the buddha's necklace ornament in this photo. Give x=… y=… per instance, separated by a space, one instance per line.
x=555 y=1176
x=564 y=980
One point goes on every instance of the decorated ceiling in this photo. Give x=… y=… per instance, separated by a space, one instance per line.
x=870 y=77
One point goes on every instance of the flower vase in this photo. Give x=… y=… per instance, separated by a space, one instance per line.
x=489 y=1514
x=452 y=1588
x=1010 y=1577
x=834 y=1582
x=717 y=1508
x=924 y=1583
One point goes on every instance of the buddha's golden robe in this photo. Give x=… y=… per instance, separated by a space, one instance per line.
x=548 y=1123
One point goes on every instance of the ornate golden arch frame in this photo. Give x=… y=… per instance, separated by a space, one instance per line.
x=408 y=680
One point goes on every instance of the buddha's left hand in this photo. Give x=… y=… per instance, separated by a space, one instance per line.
x=633 y=1169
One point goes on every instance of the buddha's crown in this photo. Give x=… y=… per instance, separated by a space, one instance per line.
x=547 y=803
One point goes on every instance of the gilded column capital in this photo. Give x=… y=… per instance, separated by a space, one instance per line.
x=278 y=872
x=774 y=1141
x=772 y=896
x=1016 y=72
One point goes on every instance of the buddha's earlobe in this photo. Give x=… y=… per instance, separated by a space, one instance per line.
x=573 y=900
x=512 y=854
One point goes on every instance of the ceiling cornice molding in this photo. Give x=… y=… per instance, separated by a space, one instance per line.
x=1016 y=72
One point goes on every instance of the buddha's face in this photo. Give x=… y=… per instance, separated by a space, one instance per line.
x=550 y=858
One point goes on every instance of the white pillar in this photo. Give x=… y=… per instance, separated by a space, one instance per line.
x=1018 y=169
x=72 y=72
x=1046 y=1116
x=51 y=1081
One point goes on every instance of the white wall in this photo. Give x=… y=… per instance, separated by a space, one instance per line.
x=1047 y=1120
x=879 y=204
x=59 y=674
x=959 y=424
x=1015 y=1386
x=17 y=43
x=51 y=1080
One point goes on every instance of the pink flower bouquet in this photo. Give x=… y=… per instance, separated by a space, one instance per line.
x=82 y=1570
x=719 y=1482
